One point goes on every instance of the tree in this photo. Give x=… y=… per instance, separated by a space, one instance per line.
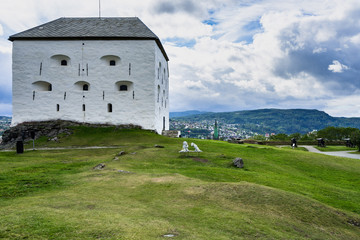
x=259 y=137
x=336 y=133
x=280 y=136
x=297 y=136
x=355 y=138
x=309 y=136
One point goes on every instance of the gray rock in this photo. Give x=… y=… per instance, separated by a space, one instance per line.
x=120 y=154
x=238 y=162
x=100 y=166
x=123 y=171
x=169 y=235
x=55 y=139
x=158 y=146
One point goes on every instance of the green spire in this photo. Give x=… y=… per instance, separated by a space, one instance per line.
x=216 y=132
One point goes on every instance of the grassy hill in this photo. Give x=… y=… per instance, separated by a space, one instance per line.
x=277 y=120
x=150 y=193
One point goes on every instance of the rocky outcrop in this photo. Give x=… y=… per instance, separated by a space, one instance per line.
x=171 y=133
x=50 y=129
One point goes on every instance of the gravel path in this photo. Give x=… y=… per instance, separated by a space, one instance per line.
x=346 y=154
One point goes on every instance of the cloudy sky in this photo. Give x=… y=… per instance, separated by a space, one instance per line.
x=228 y=55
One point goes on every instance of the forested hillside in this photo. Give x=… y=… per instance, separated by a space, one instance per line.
x=276 y=120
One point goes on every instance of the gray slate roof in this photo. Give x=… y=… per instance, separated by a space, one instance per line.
x=128 y=28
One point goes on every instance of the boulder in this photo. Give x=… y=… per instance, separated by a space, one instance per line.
x=120 y=153
x=100 y=166
x=238 y=162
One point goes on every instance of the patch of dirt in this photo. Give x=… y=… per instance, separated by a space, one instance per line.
x=163 y=179
x=91 y=206
x=195 y=190
x=200 y=160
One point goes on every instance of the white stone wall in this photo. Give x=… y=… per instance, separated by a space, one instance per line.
x=36 y=64
x=162 y=91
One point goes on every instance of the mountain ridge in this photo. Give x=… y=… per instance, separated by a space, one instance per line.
x=276 y=120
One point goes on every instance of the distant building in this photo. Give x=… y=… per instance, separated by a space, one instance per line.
x=95 y=70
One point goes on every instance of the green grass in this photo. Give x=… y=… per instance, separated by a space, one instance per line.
x=280 y=194
x=335 y=148
x=296 y=149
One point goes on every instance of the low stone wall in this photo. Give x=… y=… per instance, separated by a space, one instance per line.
x=171 y=133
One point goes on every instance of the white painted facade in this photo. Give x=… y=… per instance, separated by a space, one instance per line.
x=44 y=89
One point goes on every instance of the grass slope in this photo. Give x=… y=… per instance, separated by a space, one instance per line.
x=280 y=194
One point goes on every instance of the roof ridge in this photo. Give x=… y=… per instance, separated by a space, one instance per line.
x=104 y=28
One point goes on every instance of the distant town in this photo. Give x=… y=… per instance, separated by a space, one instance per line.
x=205 y=129
x=4 y=124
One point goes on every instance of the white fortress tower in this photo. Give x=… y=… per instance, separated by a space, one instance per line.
x=94 y=70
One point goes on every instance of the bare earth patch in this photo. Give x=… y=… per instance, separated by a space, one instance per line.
x=200 y=160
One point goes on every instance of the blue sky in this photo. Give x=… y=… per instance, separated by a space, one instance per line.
x=228 y=55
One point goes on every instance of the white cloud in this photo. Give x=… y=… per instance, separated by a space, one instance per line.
x=280 y=65
x=347 y=106
x=5 y=109
x=5 y=46
x=355 y=39
x=337 y=67
x=319 y=50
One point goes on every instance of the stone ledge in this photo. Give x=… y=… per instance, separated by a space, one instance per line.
x=171 y=133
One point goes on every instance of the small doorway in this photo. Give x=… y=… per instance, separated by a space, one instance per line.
x=163 y=123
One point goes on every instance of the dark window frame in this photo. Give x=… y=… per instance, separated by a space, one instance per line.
x=123 y=87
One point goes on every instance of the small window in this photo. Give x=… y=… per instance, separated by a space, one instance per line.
x=85 y=87
x=158 y=94
x=112 y=62
x=109 y=107
x=83 y=107
x=63 y=62
x=42 y=86
x=57 y=107
x=124 y=86
x=159 y=69
x=162 y=81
